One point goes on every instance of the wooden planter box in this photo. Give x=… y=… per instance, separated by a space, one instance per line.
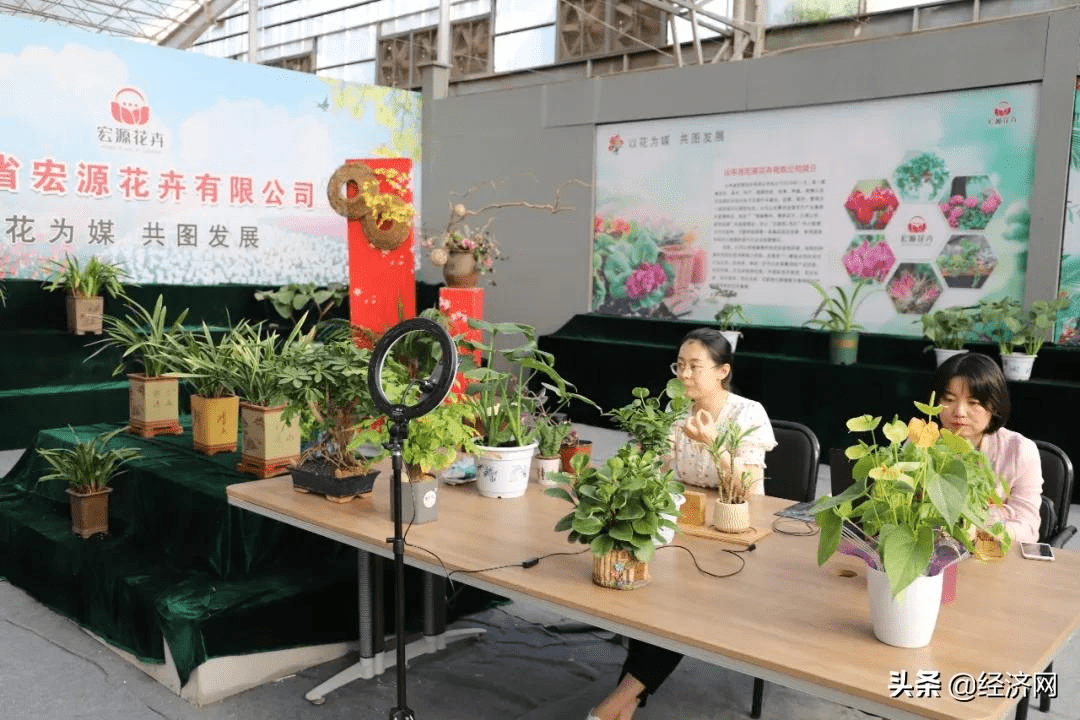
x=270 y=446
x=84 y=314
x=213 y=423
x=153 y=405
x=89 y=512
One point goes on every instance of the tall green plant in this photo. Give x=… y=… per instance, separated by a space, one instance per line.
x=210 y=366
x=88 y=465
x=144 y=336
x=647 y=421
x=258 y=356
x=89 y=280
x=839 y=308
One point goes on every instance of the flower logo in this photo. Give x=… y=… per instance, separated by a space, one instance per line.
x=917 y=225
x=1003 y=109
x=614 y=143
x=129 y=107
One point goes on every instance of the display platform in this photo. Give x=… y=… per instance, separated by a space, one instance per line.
x=183 y=578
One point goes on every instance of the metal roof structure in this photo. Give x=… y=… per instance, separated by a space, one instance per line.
x=172 y=23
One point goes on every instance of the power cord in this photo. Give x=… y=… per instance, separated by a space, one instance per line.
x=529 y=563
x=808 y=529
x=737 y=554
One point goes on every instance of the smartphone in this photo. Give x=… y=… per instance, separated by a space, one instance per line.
x=1036 y=551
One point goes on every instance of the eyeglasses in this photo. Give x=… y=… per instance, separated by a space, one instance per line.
x=678 y=368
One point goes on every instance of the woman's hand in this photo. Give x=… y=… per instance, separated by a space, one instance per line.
x=701 y=427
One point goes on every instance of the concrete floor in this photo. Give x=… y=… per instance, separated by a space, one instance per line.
x=529 y=665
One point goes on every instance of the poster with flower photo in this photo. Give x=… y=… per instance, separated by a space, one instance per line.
x=1068 y=329
x=220 y=177
x=924 y=199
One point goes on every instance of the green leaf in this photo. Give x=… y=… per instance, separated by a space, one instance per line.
x=904 y=555
x=622 y=531
x=565 y=523
x=601 y=545
x=863 y=423
x=829 y=539
x=587 y=526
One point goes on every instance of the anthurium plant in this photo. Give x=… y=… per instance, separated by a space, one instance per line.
x=621 y=505
x=925 y=488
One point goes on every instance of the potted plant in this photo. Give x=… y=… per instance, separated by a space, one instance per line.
x=948 y=329
x=837 y=313
x=325 y=387
x=212 y=370
x=504 y=404
x=912 y=510
x=84 y=285
x=572 y=446
x=648 y=423
x=307 y=298
x=432 y=444
x=729 y=317
x=271 y=443
x=88 y=466
x=551 y=432
x=1009 y=326
x=620 y=511
x=731 y=511
x=145 y=337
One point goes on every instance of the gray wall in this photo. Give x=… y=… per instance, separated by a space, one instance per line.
x=547 y=132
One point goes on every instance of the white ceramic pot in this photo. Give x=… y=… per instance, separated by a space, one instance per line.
x=732 y=336
x=1017 y=366
x=942 y=354
x=503 y=472
x=542 y=466
x=731 y=517
x=907 y=620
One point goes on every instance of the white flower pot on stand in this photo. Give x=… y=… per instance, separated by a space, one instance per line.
x=907 y=620
x=503 y=472
x=1017 y=366
x=543 y=466
x=942 y=354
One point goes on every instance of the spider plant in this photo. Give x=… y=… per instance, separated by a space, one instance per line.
x=89 y=465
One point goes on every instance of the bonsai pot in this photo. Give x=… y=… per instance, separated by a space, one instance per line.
x=213 y=423
x=270 y=445
x=566 y=453
x=1017 y=366
x=320 y=477
x=503 y=472
x=542 y=466
x=731 y=517
x=84 y=314
x=619 y=569
x=89 y=512
x=843 y=348
x=908 y=620
x=153 y=405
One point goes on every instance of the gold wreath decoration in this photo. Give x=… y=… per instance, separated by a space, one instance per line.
x=355 y=207
x=384 y=238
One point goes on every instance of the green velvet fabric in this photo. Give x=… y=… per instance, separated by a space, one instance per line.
x=788 y=371
x=181 y=563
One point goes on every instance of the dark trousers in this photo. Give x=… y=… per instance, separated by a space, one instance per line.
x=650 y=664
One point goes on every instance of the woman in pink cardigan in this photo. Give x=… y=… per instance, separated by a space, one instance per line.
x=975 y=405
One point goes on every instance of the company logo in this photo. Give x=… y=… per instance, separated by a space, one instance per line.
x=614 y=143
x=129 y=107
x=916 y=225
x=916 y=235
x=1003 y=114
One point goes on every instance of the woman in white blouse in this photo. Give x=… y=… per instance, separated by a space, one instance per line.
x=704 y=366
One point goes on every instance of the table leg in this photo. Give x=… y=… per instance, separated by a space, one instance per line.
x=374 y=660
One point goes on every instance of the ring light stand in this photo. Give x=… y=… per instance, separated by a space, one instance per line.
x=432 y=392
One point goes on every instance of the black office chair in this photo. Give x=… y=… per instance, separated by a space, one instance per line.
x=791 y=471
x=1054 y=528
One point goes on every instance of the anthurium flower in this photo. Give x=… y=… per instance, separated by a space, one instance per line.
x=857 y=451
x=863 y=423
x=896 y=431
x=894 y=473
x=923 y=433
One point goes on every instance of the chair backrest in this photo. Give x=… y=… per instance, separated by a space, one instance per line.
x=1057 y=471
x=791 y=468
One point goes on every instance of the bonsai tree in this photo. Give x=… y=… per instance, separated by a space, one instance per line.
x=89 y=465
x=325 y=385
x=925 y=489
x=83 y=281
x=646 y=422
x=949 y=328
x=622 y=505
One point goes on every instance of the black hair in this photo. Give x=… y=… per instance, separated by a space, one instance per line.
x=717 y=345
x=985 y=382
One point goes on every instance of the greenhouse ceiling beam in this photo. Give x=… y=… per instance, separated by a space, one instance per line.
x=188 y=30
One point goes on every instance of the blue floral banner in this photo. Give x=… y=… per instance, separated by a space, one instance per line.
x=183 y=168
x=924 y=199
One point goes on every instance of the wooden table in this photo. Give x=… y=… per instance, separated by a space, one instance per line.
x=782 y=618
